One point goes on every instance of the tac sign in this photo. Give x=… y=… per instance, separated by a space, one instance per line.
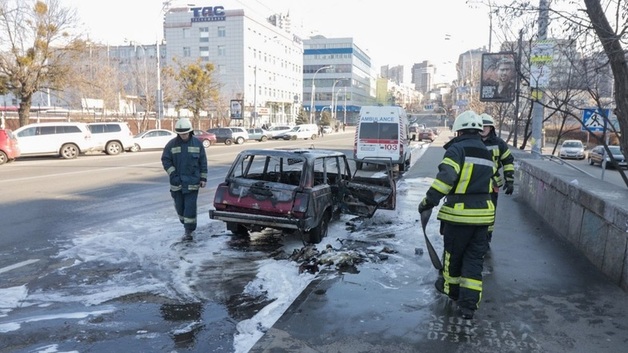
x=593 y=119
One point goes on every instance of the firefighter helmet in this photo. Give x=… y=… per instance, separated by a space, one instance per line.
x=467 y=120
x=183 y=126
x=487 y=120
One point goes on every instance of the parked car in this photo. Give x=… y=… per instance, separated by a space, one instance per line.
x=298 y=190
x=152 y=139
x=207 y=138
x=427 y=134
x=572 y=149
x=258 y=134
x=223 y=135
x=65 y=139
x=240 y=134
x=111 y=137
x=304 y=131
x=9 y=147
x=598 y=154
x=327 y=129
x=278 y=129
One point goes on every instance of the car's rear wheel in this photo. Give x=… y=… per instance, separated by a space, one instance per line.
x=264 y=138
x=135 y=148
x=113 y=147
x=206 y=143
x=3 y=158
x=240 y=140
x=69 y=151
x=313 y=137
x=316 y=234
x=237 y=229
x=228 y=142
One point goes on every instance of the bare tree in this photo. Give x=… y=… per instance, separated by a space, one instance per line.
x=35 y=48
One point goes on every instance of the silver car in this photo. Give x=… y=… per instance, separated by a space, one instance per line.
x=572 y=149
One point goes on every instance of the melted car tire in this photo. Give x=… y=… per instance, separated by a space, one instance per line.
x=316 y=234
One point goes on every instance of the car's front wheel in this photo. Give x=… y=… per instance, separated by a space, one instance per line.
x=590 y=161
x=228 y=142
x=240 y=140
x=264 y=138
x=206 y=143
x=3 y=158
x=69 y=151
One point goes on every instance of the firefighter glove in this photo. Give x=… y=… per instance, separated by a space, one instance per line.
x=509 y=187
x=425 y=205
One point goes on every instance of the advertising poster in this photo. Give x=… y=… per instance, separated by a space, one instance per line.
x=236 y=109
x=499 y=77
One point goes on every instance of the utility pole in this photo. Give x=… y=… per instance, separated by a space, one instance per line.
x=538 y=112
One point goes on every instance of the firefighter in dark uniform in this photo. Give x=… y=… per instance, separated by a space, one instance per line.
x=503 y=160
x=464 y=179
x=185 y=161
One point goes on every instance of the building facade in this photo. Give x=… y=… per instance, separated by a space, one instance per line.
x=258 y=62
x=337 y=75
x=423 y=76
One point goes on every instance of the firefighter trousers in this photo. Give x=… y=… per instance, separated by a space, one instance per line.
x=465 y=247
x=185 y=205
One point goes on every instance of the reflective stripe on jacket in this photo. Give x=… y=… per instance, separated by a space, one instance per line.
x=464 y=179
x=503 y=159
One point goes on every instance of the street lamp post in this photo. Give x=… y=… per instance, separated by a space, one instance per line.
x=313 y=88
x=333 y=87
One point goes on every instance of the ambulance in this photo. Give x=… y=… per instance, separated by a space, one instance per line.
x=382 y=132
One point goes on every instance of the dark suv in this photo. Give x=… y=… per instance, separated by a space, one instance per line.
x=298 y=190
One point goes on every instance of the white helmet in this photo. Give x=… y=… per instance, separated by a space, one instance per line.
x=183 y=126
x=467 y=120
x=487 y=120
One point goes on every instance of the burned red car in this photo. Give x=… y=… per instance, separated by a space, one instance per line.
x=298 y=190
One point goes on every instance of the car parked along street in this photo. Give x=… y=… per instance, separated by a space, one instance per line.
x=152 y=139
x=111 y=137
x=207 y=138
x=572 y=149
x=9 y=147
x=65 y=139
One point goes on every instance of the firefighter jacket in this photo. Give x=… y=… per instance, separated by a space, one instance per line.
x=464 y=179
x=503 y=159
x=186 y=164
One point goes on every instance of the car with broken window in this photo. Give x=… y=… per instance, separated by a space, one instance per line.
x=299 y=190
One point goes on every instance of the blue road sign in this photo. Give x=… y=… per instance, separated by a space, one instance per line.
x=593 y=119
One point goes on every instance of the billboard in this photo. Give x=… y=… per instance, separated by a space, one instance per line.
x=498 y=82
x=236 y=109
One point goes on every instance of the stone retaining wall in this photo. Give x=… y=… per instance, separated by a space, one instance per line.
x=589 y=213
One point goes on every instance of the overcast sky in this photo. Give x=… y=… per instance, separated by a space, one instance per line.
x=394 y=32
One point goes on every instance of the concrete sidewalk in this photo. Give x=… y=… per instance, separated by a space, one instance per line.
x=540 y=295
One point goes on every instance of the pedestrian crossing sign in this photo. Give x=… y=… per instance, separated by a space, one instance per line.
x=593 y=120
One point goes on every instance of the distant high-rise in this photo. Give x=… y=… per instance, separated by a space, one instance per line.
x=423 y=76
x=394 y=73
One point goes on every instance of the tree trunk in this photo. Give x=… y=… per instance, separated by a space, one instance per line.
x=615 y=52
x=24 y=111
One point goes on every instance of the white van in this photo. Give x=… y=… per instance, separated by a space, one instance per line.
x=382 y=132
x=64 y=139
x=303 y=131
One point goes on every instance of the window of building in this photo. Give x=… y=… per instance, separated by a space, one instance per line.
x=203 y=34
x=222 y=50
x=186 y=33
x=187 y=52
x=222 y=31
x=204 y=51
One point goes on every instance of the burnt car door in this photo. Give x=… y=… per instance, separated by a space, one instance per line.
x=369 y=189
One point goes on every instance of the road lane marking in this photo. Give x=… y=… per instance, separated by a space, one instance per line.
x=18 y=265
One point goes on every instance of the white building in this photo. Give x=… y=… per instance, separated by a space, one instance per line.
x=258 y=63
